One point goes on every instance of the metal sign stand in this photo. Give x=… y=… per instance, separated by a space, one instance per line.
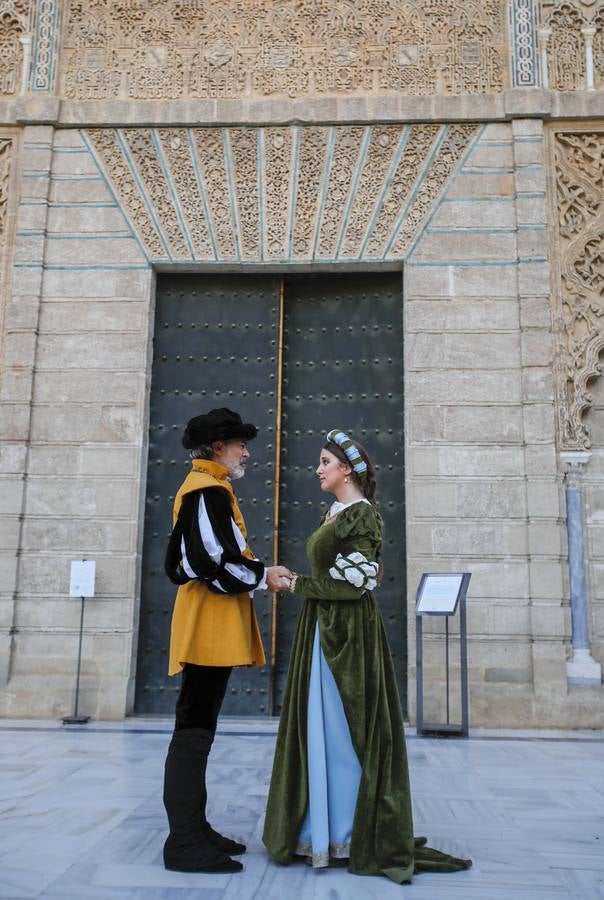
x=82 y=585
x=440 y=598
x=77 y=719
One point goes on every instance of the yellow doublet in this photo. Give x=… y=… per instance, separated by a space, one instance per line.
x=211 y=629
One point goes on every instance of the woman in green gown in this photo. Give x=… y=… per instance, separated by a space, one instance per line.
x=340 y=781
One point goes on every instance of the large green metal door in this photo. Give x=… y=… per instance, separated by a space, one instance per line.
x=215 y=344
x=326 y=352
x=342 y=368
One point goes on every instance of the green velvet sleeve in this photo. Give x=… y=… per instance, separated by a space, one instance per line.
x=357 y=528
x=324 y=587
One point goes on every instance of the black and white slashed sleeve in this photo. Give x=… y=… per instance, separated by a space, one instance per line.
x=212 y=545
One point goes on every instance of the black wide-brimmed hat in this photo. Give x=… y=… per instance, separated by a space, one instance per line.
x=217 y=425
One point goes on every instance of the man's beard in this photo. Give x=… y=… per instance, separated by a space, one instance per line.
x=238 y=471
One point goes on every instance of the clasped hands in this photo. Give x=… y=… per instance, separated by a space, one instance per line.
x=278 y=578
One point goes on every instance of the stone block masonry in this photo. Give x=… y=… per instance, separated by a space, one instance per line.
x=169 y=146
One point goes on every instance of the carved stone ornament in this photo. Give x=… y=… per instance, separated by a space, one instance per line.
x=170 y=49
x=568 y=22
x=15 y=21
x=579 y=291
x=218 y=54
x=524 y=60
x=6 y=150
x=282 y=193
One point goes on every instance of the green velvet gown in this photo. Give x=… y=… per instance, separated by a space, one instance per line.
x=355 y=646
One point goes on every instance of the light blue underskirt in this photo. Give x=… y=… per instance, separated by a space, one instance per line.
x=334 y=772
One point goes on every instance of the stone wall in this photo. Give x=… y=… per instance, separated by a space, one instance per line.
x=86 y=287
x=594 y=516
x=316 y=135
x=484 y=490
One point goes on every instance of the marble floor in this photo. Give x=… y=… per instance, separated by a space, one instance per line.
x=81 y=816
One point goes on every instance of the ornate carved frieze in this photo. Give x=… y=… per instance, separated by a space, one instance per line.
x=15 y=22
x=383 y=145
x=147 y=166
x=578 y=159
x=278 y=146
x=313 y=143
x=343 y=167
x=291 y=48
x=209 y=151
x=283 y=193
x=572 y=33
x=175 y=147
x=243 y=151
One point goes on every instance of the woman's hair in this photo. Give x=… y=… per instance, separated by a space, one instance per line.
x=366 y=483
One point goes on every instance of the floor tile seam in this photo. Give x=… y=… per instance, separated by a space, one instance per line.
x=104 y=833
x=231 y=729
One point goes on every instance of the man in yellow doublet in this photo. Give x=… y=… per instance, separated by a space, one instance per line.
x=210 y=629
x=214 y=628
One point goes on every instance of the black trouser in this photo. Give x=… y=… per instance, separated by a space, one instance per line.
x=201 y=694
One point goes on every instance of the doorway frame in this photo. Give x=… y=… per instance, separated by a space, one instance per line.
x=220 y=269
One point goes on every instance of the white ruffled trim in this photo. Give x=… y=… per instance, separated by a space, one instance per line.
x=356 y=569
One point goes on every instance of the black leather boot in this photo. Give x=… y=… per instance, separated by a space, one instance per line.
x=219 y=841
x=187 y=848
x=225 y=844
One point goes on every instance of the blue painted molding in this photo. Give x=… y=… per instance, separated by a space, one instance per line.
x=76 y=268
x=523 y=44
x=293 y=189
x=228 y=162
x=83 y=236
x=463 y=263
x=175 y=202
x=331 y=143
x=44 y=57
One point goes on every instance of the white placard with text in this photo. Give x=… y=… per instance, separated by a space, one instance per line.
x=439 y=594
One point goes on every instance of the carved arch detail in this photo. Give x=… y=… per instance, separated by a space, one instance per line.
x=15 y=22
x=282 y=194
x=569 y=26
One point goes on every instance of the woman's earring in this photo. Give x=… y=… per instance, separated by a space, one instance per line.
x=346 y=480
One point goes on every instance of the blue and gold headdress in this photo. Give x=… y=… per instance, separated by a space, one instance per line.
x=359 y=466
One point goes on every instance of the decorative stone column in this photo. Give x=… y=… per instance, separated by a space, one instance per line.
x=544 y=36
x=589 y=33
x=25 y=41
x=581 y=668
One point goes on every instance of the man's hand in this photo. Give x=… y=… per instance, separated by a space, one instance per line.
x=278 y=578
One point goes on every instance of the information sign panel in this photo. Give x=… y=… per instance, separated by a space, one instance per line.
x=438 y=594
x=81 y=581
